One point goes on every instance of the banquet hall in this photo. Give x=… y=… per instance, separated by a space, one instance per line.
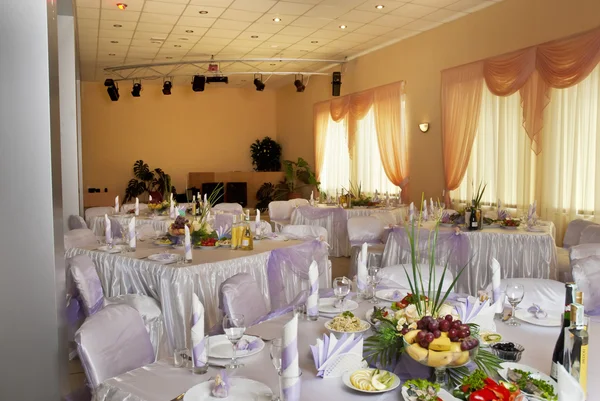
x=290 y=199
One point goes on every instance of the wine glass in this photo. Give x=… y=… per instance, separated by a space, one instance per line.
x=341 y=288
x=276 y=349
x=514 y=295
x=234 y=328
x=374 y=278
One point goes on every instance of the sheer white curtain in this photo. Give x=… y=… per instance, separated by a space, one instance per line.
x=570 y=159
x=367 y=169
x=335 y=173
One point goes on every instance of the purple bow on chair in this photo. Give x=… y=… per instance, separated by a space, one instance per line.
x=537 y=311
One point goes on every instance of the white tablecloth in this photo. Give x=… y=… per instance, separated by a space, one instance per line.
x=521 y=254
x=173 y=285
x=162 y=382
x=337 y=234
x=162 y=223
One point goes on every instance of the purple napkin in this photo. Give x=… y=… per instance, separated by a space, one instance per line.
x=245 y=345
x=397 y=296
x=537 y=311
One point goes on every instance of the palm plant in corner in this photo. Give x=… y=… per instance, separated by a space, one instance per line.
x=422 y=324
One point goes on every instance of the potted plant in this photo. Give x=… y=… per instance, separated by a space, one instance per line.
x=269 y=192
x=156 y=182
x=298 y=171
x=266 y=155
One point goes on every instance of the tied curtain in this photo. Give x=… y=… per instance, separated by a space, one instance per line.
x=533 y=72
x=387 y=103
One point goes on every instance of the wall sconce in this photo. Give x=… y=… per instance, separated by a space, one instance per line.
x=424 y=127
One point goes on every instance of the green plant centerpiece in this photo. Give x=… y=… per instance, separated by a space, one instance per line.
x=156 y=182
x=476 y=205
x=357 y=197
x=201 y=226
x=266 y=155
x=298 y=174
x=423 y=325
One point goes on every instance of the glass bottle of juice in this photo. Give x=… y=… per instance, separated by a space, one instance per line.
x=234 y=232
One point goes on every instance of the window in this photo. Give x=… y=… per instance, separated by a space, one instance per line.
x=335 y=172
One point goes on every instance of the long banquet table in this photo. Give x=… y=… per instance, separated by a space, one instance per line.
x=521 y=253
x=161 y=381
x=159 y=223
x=173 y=285
x=335 y=219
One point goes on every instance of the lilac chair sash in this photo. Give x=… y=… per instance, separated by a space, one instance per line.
x=88 y=283
x=241 y=294
x=296 y=259
x=314 y=213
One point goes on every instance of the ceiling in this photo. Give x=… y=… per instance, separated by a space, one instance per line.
x=150 y=31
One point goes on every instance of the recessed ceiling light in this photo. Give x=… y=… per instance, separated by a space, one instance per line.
x=176 y=45
x=314 y=41
x=168 y=57
x=254 y=36
x=203 y=12
x=121 y=6
x=111 y=54
x=276 y=19
x=189 y=31
x=114 y=41
x=118 y=26
x=342 y=26
x=379 y=6
x=183 y=38
x=274 y=45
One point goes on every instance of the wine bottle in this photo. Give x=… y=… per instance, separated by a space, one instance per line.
x=247 y=241
x=575 y=358
x=559 y=348
x=473 y=223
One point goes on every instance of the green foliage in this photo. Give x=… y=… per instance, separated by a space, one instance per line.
x=476 y=201
x=386 y=346
x=266 y=155
x=147 y=180
x=299 y=171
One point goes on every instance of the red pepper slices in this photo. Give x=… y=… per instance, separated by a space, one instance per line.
x=491 y=391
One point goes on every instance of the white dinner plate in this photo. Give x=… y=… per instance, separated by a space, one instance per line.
x=277 y=237
x=535 y=373
x=241 y=389
x=220 y=347
x=388 y=295
x=493 y=225
x=510 y=227
x=346 y=380
x=443 y=394
x=446 y=224
x=164 y=258
x=326 y=305
x=114 y=249
x=552 y=320
x=364 y=327
x=207 y=248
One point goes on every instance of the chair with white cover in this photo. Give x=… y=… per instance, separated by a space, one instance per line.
x=265 y=227
x=363 y=229
x=586 y=274
x=112 y=342
x=92 y=212
x=572 y=237
x=548 y=294
x=299 y=202
x=386 y=218
x=590 y=235
x=304 y=232
x=92 y=298
x=396 y=276
x=233 y=208
x=280 y=213
x=76 y=222
x=241 y=294
x=80 y=238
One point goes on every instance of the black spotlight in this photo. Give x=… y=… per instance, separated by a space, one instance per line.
x=299 y=84
x=260 y=86
x=336 y=84
x=112 y=89
x=198 y=83
x=167 y=88
x=135 y=91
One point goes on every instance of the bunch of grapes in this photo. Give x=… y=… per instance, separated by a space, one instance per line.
x=179 y=223
x=432 y=328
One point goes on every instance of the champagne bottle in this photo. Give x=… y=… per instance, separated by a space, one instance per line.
x=247 y=241
x=576 y=346
x=559 y=348
x=473 y=223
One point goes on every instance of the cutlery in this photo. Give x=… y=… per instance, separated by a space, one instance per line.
x=179 y=397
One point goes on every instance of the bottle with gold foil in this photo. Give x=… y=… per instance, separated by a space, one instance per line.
x=235 y=237
x=576 y=346
x=247 y=240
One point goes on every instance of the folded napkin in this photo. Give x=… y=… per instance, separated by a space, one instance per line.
x=205 y=199
x=497 y=296
x=397 y=295
x=432 y=207
x=117 y=204
x=257 y=227
x=537 y=311
x=424 y=211
x=171 y=198
x=245 y=345
x=221 y=386
x=290 y=370
x=569 y=388
x=187 y=242
x=107 y=230
x=411 y=212
x=137 y=206
x=387 y=199
x=361 y=269
x=131 y=232
x=312 y=198
x=223 y=231
x=199 y=358
x=376 y=197
x=473 y=310
x=329 y=350
x=172 y=210
x=149 y=198
x=312 y=302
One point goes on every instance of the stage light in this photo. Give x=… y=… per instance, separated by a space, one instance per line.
x=218 y=79
x=260 y=86
x=167 y=88
x=336 y=84
x=198 y=83
x=137 y=87
x=121 y=6
x=112 y=89
x=299 y=84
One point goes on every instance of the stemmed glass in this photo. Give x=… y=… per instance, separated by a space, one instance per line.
x=276 y=349
x=341 y=288
x=234 y=328
x=514 y=295
x=374 y=278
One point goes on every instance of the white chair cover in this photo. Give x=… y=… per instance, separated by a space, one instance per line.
x=298 y=202
x=234 y=208
x=304 y=232
x=573 y=233
x=365 y=229
x=590 y=235
x=112 y=342
x=265 y=227
x=280 y=213
x=76 y=222
x=583 y=251
x=80 y=237
x=586 y=273
x=131 y=206
x=97 y=211
x=549 y=294
x=241 y=294
x=387 y=218
x=396 y=276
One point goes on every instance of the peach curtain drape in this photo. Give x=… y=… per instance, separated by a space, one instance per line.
x=321 y=121
x=531 y=71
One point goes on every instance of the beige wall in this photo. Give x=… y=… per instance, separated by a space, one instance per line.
x=506 y=26
x=181 y=133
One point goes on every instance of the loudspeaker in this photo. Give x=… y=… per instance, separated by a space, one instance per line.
x=209 y=187
x=236 y=192
x=198 y=83
x=336 y=84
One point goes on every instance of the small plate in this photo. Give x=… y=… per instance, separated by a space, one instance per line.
x=510 y=227
x=114 y=249
x=207 y=248
x=365 y=327
x=277 y=237
x=442 y=394
x=446 y=224
x=387 y=295
x=164 y=258
x=326 y=305
x=220 y=347
x=241 y=389
x=369 y=313
x=346 y=380
x=552 y=320
x=158 y=243
x=493 y=225
x=536 y=373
